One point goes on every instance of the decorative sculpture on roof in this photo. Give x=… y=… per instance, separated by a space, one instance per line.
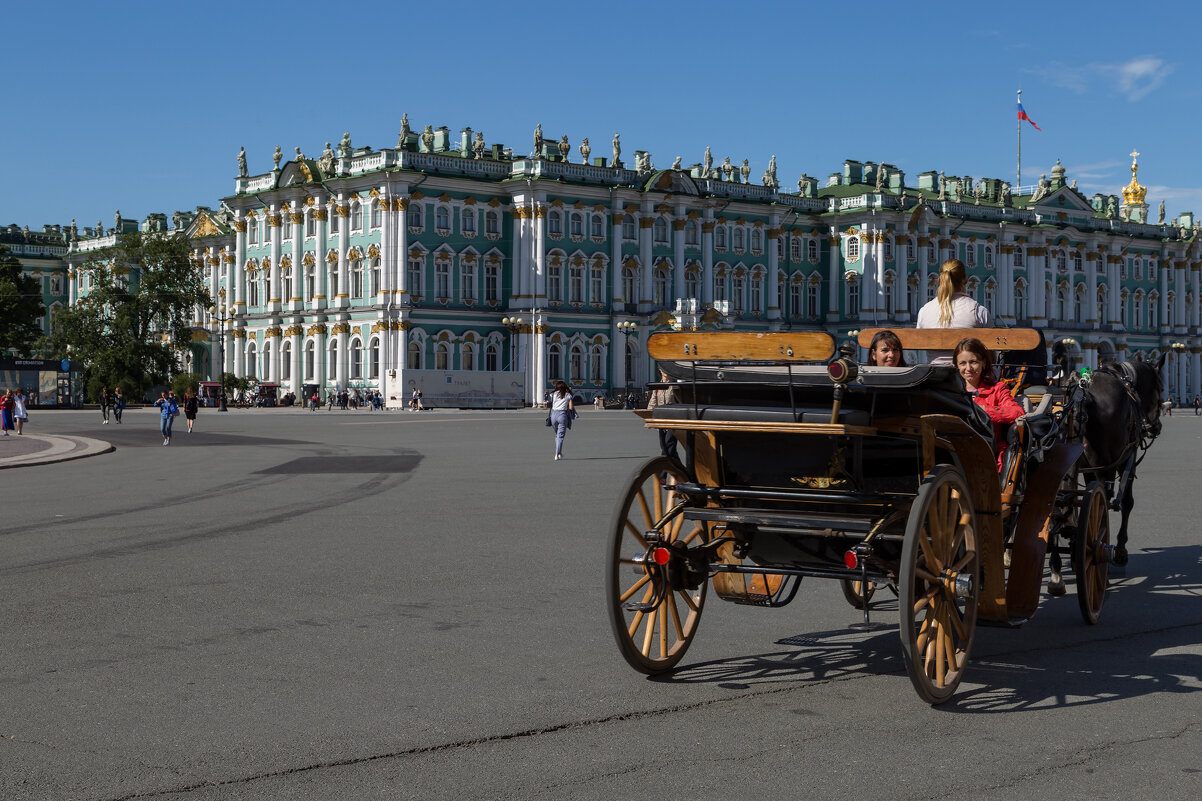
x=770 y=174
x=428 y=138
x=584 y=150
x=978 y=191
x=326 y=162
x=676 y=164
x=642 y=162
x=1004 y=194
x=1160 y=213
x=745 y=171
x=478 y=146
x=564 y=148
x=538 y=141
x=276 y=156
x=802 y=183
x=1111 y=208
x=405 y=131
x=242 y=173
x=707 y=164
x=1041 y=190
x=727 y=169
x=942 y=186
x=344 y=147
x=617 y=161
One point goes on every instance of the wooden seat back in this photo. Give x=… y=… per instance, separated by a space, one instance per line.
x=995 y=339
x=773 y=347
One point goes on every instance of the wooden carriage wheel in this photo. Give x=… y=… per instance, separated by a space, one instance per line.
x=1091 y=561
x=651 y=641
x=854 y=594
x=939 y=583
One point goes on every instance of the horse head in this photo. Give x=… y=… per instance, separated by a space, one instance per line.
x=1149 y=389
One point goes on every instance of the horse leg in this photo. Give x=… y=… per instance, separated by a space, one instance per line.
x=1055 y=581
x=1120 y=548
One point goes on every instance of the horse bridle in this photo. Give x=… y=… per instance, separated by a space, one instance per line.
x=1149 y=430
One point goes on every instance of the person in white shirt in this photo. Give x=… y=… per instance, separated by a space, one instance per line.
x=562 y=412
x=952 y=307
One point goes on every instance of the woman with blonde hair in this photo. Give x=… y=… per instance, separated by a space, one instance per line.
x=952 y=307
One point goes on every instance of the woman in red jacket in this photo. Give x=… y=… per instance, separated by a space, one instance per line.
x=975 y=364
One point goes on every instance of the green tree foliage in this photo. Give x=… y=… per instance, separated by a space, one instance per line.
x=135 y=314
x=20 y=306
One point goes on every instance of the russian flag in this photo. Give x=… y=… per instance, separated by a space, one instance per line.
x=1022 y=115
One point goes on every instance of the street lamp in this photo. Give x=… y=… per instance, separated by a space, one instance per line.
x=514 y=324
x=218 y=312
x=626 y=328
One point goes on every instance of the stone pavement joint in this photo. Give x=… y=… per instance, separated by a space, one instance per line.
x=31 y=449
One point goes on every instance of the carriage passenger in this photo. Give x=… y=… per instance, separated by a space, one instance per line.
x=975 y=364
x=886 y=350
x=952 y=307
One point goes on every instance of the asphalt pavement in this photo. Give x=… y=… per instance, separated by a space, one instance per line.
x=389 y=605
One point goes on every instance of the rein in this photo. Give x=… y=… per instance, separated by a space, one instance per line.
x=1140 y=434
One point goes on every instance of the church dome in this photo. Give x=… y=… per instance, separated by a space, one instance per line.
x=1134 y=193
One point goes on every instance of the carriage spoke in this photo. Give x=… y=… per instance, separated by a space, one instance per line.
x=925 y=574
x=688 y=599
x=638 y=616
x=925 y=544
x=650 y=521
x=700 y=529
x=671 y=601
x=674 y=528
x=657 y=492
x=662 y=614
x=624 y=597
x=638 y=535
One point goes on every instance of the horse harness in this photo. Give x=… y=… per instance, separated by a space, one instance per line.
x=1141 y=433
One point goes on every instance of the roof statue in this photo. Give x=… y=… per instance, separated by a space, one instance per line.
x=478 y=146
x=1159 y=214
x=942 y=186
x=770 y=174
x=538 y=141
x=1041 y=189
x=1133 y=193
x=745 y=171
x=801 y=183
x=707 y=164
x=242 y=173
x=326 y=162
x=584 y=150
x=617 y=161
x=880 y=178
x=1004 y=193
x=727 y=169
x=405 y=131
x=978 y=191
x=428 y=138
x=276 y=156
x=565 y=149
x=344 y=147
x=676 y=164
x=1111 y=208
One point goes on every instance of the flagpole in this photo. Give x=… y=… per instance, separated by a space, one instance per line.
x=1020 y=145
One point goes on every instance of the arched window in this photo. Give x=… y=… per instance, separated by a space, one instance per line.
x=720 y=237
x=577 y=225
x=813 y=299
x=988 y=256
x=596 y=363
x=576 y=283
x=442 y=356
x=737 y=291
x=692 y=283
x=853 y=248
x=492 y=281
x=596 y=280
x=356 y=217
x=812 y=250
x=468 y=358
x=555 y=363
x=970 y=255
x=375 y=214
x=1020 y=300
x=252 y=360
x=1018 y=257
x=492 y=226
x=442 y=279
x=357 y=278
x=738 y=239
x=467 y=222
x=555 y=283
x=356 y=356
x=757 y=294
x=310 y=283
x=597 y=227
x=467 y=278
x=415 y=355
x=757 y=240
x=332 y=361
x=334 y=288
x=415 y=214
x=310 y=361
x=660 y=231
x=690 y=233
x=577 y=364
x=442 y=219
x=286 y=361
x=373 y=358
x=376 y=284
x=630 y=285
x=416 y=267
x=659 y=288
x=492 y=358
x=554 y=224
x=286 y=275
x=628 y=230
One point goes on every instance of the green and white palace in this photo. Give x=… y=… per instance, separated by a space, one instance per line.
x=481 y=276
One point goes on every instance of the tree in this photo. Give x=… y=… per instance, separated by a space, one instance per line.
x=20 y=306
x=136 y=314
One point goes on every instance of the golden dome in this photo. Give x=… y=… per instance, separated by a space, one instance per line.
x=1133 y=193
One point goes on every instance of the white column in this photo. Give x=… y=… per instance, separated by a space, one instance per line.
x=341 y=335
x=646 y=220
x=678 y=253
x=400 y=278
x=1195 y=365
x=539 y=290
x=296 y=333
x=239 y=349
x=274 y=225
x=296 y=218
x=615 y=261
x=235 y=295
x=1196 y=284
x=773 y=304
x=274 y=368
x=321 y=296
x=867 y=276
x=342 y=298
x=517 y=280
x=1036 y=257
x=1091 y=294
x=1162 y=276
x=835 y=281
x=707 y=259
x=1180 y=320
x=1114 y=291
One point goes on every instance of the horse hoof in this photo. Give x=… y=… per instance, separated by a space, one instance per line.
x=1056 y=588
x=1120 y=556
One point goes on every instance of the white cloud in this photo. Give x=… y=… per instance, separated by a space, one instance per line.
x=1134 y=79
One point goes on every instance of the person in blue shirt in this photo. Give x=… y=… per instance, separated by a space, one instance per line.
x=169 y=410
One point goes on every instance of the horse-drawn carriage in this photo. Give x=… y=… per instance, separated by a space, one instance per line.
x=800 y=464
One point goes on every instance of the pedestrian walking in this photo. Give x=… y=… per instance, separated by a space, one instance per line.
x=191 y=406
x=104 y=406
x=7 y=405
x=1197 y=405
x=118 y=404
x=169 y=410
x=662 y=397
x=20 y=415
x=562 y=413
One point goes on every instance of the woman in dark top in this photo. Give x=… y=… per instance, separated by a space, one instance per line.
x=191 y=406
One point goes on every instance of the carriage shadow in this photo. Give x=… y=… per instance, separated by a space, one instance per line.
x=1056 y=665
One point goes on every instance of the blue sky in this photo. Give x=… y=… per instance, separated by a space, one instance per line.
x=142 y=106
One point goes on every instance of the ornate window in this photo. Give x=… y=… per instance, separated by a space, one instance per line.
x=492 y=225
x=357 y=278
x=373 y=358
x=911 y=250
x=376 y=284
x=414 y=215
x=757 y=240
x=252 y=232
x=310 y=230
x=692 y=283
x=576 y=283
x=690 y=233
x=416 y=268
x=357 y=217
x=795 y=288
x=888 y=250
x=356 y=356
x=757 y=294
x=720 y=237
x=335 y=222
x=576 y=364
x=376 y=216
x=812 y=250
x=1018 y=257
x=415 y=355
x=853 y=248
x=467 y=278
x=310 y=287
x=334 y=288
x=555 y=363
x=492 y=359
x=596 y=364
x=597 y=228
x=659 y=288
x=576 y=221
x=596 y=283
x=660 y=231
x=442 y=220
x=491 y=283
x=252 y=360
x=970 y=255
x=630 y=285
x=467 y=222
x=853 y=296
x=442 y=279
x=628 y=229
x=737 y=287
x=554 y=225
x=555 y=283
x=1077 y=262
x=989 y=257
x=931 y=255
x=813 y=299
x=738 y=239
x=332 y=361
x=720 y=286
x=1020 y=300
x=467 y=357
x=442 y=356
x=310 y=361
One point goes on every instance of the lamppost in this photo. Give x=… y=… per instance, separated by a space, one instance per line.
x=514 y=324
x=627 y=327
x=1178 y=348
x=218 y=312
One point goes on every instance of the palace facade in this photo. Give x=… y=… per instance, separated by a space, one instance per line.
x=482 y=277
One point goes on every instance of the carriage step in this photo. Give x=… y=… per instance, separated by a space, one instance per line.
x=782 y=520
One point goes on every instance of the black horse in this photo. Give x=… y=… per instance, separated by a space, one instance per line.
x=1118 y=414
